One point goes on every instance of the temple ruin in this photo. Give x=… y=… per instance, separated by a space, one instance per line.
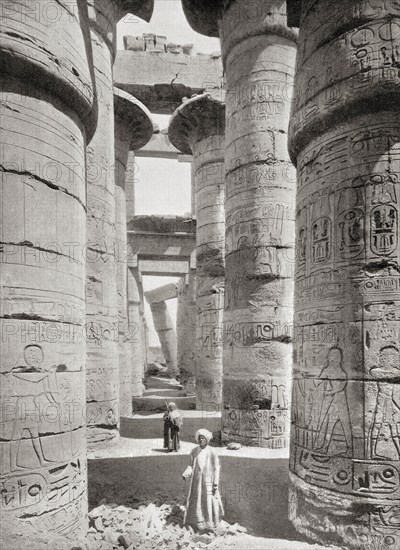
x=286 y=270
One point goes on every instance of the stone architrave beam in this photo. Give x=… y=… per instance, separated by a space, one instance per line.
x=344 y=138
x=198 y=127
x=133 y=129
x=162 y=293
x=161 y=79
x=48 y=114
x=258 y=55
x=165 y=267
x=102 y=391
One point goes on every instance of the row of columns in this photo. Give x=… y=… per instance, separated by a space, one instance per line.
x=344 y=141
x=63 y=254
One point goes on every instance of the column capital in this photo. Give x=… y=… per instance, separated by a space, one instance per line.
x=237 y=20
x=105 y=14
x=132 y=117
x=56 y=70
x=203 y=15
x=198 y=118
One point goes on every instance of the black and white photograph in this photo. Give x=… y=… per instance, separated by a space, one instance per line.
x=200 y=274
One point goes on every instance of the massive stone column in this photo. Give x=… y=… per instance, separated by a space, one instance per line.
x=258 y=52
x=197 y=127
x=167 y=335
x=47 y=117
x=133 y=129
x=345 y=140
x=101 y=292
x=136 y=340
x=186 y=331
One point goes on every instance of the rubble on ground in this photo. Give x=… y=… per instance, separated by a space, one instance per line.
x=150 y=526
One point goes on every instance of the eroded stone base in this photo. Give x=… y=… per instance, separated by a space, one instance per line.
x=354 y=522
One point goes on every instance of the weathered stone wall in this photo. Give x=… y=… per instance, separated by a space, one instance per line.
x=259 y=55
x=345 y=139
x=161 y=74
x=47 y=117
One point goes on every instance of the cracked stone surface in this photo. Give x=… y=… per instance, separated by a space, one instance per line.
x=344 y=138
x=259 y=56
x=47 y=113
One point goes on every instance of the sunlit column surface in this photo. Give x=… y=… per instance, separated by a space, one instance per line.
x=47 y=114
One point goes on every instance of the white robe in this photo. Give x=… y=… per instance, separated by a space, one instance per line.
x=203 y=509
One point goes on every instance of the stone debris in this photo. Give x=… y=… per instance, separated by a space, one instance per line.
x=233 y=446
x=149 y=526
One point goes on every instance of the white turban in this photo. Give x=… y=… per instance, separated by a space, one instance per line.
x=205 y=433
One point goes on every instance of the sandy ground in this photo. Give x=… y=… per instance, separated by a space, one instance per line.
x=137 y=495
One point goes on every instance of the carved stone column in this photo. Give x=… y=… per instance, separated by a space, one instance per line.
x=47 y=117
x=136 y=340
x=186 y=331
x=102 y=312
x=133 y=129
x=197 y=127
x=345 y=140
x=258 y=52
x=166 y=334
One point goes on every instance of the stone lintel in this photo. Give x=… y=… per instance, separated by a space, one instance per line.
x=162 y=79
x=198 y=118
x=162 y=224
x=159 y=246
x=293 y=8
x=133 y=118
x=162 y=293
x=169 y=268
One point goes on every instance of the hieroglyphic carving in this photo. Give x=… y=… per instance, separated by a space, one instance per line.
x=345 y=410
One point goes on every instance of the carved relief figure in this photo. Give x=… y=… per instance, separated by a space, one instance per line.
x=384 y=437
x=333 y=435
x=36 y=390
